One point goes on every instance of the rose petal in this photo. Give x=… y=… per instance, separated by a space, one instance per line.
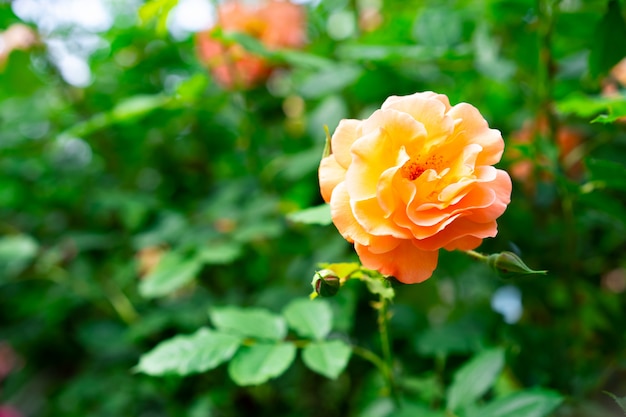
x=501 y=187
x=460 y=228
x=370 y=215
x=474 y=128
x=371 y=155
x=405 y=262
x=346 y=133
x=330 y=174
x=429 y=109
x=341 y=213
x=464 y=243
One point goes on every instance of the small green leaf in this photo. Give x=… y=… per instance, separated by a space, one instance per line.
x=616 y=110
x=586 y=106
x=250 y=322
x=309 y=318
x=157 y=10
x=621 y=401
x=605 y=174
x=345 y=270
x=137 y=106
x=250 y=43
x=536 y=403
x=378 y=286
x=609 y=45
x=313 y=215
x=302 y=59
x=16 y=252
x=173 y=271
x=474 y=378
x=184 y=355
x=328 y=358
x=388 y=53
x=258 y=363
x=220 y=253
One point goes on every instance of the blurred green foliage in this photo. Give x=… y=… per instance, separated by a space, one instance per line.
x=147 y=207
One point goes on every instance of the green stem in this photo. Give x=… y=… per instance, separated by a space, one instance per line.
x=383 y=320
x=371 y=357
x=476 y=255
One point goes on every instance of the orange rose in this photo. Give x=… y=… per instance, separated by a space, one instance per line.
x=276 y=24
x=415 y=177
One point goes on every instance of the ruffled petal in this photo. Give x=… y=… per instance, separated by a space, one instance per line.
x=474 y=129
x=371 y=156
x=330 y=174
x=348 y=131
x=460 y=228
x=341 y=213
x=372 y=218
x=405 y=262
x=501 y=189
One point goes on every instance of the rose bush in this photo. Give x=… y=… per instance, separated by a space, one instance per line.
x=415 y=177
x=276 y=24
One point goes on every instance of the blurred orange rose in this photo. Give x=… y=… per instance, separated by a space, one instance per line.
x=415 y=177
x=16 y=37
x=276 y=24
x=568 y=142
x=148 y=259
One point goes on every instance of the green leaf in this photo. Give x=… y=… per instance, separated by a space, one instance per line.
x=16 y=252
x=536 y=403
x=329 y=80
x=157 y=10
x=173 y=271
x=616 y=111
x=220 y=253
x=328 y=358
x=387 y=53
x=313 y=215
x=250 y=43
x=250 y=322
x=378 y=286
x=286 y=56
x=193 y=87
x=302 y=59
x=621 y=401
x=258 y=363
x=474 y=378
x=126 y=110
x=605 y=174
x=184 y=355
x=309 y=318
x=137 y=106
x=586 y=106
x=329 y=112
x=609 y=43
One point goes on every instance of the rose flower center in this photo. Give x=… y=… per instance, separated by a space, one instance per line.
x=416 y=166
